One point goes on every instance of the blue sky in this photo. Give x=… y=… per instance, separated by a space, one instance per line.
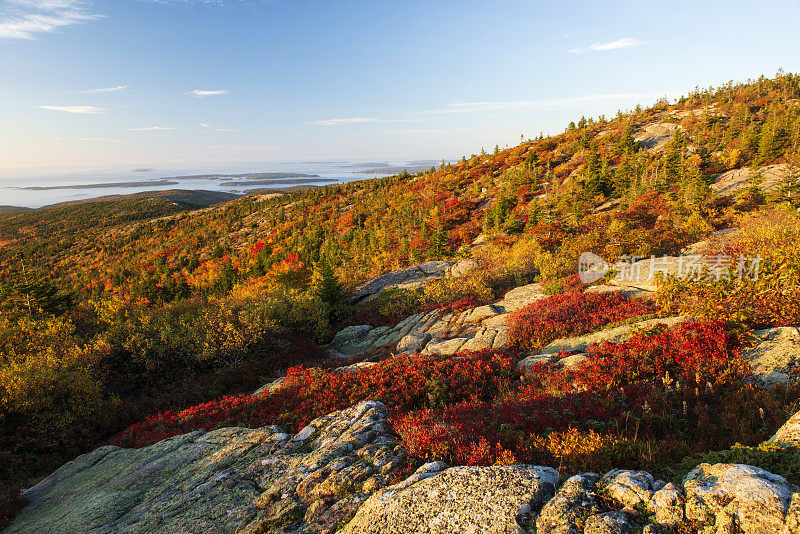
x=170 y=82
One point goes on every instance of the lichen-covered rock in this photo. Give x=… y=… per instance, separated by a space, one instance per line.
x=272 y=387
x=477 y=315
x=734 y=496
x=482 y=340
x=789 y=433
x=444 y=346
x=469 y=500
x=608 y=523
x=629 y=488
x=227 y=480
x=667 y=504
x=413 y=342
x=775 y=356
x=566 y=513
x=534 y=359
x=656 y=136
x=520 y=297
x=410 y=277
x=629 y=292
x=734 y=180
x=573 y=362
x=792 y=522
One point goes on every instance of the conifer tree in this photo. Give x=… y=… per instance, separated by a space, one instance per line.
x=327 y=288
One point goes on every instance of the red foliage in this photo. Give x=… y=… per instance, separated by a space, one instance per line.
x=255 y=249
x=644 y=210
x=667 y=393
x=402 y=383
x=570 y=314
x=695 y=353
x=703 y=406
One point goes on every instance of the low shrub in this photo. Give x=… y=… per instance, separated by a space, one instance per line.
x=570 y=314
x=646 y=403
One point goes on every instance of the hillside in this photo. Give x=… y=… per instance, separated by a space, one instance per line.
x=134 y=320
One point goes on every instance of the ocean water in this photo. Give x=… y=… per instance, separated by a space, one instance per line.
x=34 y=189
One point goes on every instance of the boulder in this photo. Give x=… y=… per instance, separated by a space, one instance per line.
x=573 y=362
x=534 y=359
x=643 y=274
x=566 y=513
x=227 y=480
x=501 y=339
x=520 y=297
x=631 y=489
x=350 y=334
x=463 y=267
x=470 y=500
x=414 y=342
x=734 y=496
x=775 y=357
x=477 y=315
x=630 y=292
x=270 y=388
x=789 y=433
x=667 y=505
x=408 y=278
x=482 y=340
x=607 y=523
x=497 y=320
x=444 y=346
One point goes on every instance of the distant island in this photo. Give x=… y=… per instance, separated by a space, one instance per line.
x=291 y=181
x=146 y=183
x=389 y=169
x=247 y=176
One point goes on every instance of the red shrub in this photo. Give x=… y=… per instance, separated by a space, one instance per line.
x=403 y=383
x=571 y=314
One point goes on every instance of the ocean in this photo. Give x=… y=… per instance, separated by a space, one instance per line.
x=34 y=189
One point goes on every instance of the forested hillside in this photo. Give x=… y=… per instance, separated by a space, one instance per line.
x=117 y=311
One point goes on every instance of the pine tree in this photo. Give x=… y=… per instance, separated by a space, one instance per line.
x=327 y=288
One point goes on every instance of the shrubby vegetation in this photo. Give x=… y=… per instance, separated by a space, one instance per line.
x=114 y=312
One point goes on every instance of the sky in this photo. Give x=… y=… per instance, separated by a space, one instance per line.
x=160 y=83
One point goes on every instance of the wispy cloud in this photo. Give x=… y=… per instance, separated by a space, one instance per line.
x=625 y=42
x=337 y=122
x=150 y=129
x=27 y=19
x=523 y=105
x=115 y=89
x=214 y=128
x=84 y=110
x=202 y=92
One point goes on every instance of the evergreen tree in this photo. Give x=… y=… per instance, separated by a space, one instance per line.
x=327 y=288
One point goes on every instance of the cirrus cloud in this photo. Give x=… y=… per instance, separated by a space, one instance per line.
x=83 y=110
x=202 y=92
x=150 y=129
x=337 y=122
x=27 y=19
x=625 y=42
x=101 y=90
